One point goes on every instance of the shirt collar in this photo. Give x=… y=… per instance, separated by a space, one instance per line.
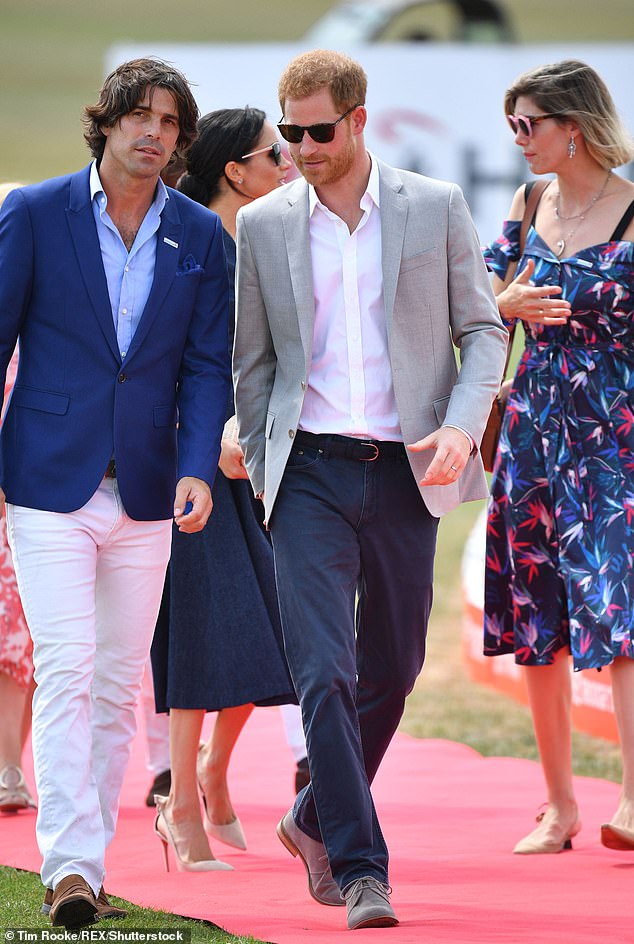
x=161 y=195
x=370 y=196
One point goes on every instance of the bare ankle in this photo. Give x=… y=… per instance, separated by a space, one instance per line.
x=183 y=812
x=563 y=807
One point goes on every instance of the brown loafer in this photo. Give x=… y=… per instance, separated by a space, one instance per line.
x=105 y=909
x=73 y=904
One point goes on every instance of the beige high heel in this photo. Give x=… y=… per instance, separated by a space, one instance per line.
x=166 y=835
x=14 y=793
x=232 y=834
x=549 y=837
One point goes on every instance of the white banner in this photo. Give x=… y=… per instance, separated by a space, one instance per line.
x=433 y=108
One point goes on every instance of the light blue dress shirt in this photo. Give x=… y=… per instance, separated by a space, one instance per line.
x=129 y=274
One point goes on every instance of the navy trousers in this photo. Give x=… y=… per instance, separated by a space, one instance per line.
x=354 y=547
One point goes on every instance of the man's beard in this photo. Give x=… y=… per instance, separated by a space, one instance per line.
x=332 y=170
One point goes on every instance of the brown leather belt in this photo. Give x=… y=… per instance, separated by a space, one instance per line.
x=111 y=471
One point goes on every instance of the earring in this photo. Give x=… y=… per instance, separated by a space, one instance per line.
x=240 y=180
x=572 y=148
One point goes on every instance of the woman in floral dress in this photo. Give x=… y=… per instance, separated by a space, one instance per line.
x=560 y=535
x=16 y=657
x=16 y=671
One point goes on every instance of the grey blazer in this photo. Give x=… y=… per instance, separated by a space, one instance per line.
x=436 y=290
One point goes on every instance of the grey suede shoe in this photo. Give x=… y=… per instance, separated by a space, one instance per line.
x=321 y=884
x=368 y=904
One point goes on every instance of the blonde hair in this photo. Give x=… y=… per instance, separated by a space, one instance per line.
x=6 y=189
x=324 y=68
x=574 y=90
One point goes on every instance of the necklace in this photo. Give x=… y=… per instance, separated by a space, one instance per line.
x=561 y=243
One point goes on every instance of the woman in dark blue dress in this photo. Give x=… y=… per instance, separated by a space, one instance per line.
x=560 y=531
x=218 y=644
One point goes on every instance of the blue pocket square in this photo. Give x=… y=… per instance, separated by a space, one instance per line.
x=188 y=265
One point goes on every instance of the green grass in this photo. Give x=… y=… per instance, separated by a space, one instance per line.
x=21 y=899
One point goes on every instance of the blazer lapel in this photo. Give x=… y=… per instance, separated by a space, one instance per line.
x=394 y=208
x=296 y=234
x=83 y=231
x=168 y=251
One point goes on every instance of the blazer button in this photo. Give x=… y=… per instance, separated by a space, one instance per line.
x=122 y=378
x=303 y=385
x=291 y=433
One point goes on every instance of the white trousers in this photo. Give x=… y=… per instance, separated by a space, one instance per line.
x=157 y=727
x=294 y=731
x=91 y=584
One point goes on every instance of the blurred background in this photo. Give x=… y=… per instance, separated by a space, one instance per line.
x=53 y=52
x=445 y=63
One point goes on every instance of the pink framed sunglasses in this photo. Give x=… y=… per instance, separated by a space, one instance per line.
x=524 y=123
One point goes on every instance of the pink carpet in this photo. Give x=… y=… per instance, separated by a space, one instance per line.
x=450 y=817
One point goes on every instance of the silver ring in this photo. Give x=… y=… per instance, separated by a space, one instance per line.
x=454 y=468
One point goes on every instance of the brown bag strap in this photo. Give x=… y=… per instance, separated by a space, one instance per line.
x=532 y=194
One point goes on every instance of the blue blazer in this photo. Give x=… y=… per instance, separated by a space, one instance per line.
x=75 y=404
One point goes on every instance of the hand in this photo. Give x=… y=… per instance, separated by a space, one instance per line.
x=452 y=453
x=522 y=299
x=232 y=460
x=198 y=493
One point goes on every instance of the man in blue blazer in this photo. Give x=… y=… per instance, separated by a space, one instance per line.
x=116 y=289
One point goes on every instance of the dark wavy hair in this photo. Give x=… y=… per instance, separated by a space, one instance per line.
x=223 y=136
x=125 y=88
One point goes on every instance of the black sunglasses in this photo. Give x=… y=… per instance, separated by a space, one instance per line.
x=321 y=133
x=274 y=152
x=524 y=123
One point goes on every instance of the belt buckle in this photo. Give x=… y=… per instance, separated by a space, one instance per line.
x=372 y=446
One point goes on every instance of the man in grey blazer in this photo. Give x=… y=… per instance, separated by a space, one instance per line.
x=354 y=284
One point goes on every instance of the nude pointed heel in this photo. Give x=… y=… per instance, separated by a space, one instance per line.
x=164 y=831
x=163 y=841
x=231 y=834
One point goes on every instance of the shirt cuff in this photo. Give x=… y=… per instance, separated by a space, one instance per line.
x=469 y=437
x=231 y=429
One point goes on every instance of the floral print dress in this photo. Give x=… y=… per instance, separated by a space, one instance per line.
x=560 y=529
